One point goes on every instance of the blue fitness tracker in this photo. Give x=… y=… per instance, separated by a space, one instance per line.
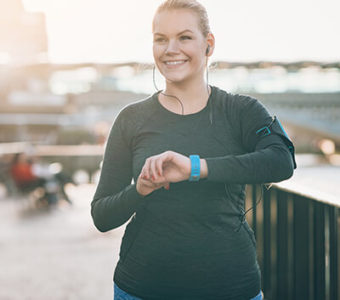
x=195 y=168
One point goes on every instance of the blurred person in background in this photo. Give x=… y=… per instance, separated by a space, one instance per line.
x=23 y=174
x=190 y=149
x=28 y=174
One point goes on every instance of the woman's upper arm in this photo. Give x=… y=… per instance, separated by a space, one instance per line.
x=266 y=158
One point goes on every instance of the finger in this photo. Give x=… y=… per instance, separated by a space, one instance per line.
x=146 y=169
x=143 y=174
x=167 y=186
x=159 y=166
x=153 y=172
x=151 y=183
x=147 y=183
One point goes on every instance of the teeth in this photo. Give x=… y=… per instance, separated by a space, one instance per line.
x=174 y=62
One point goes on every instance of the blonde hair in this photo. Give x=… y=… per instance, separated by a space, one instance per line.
x=192 y=5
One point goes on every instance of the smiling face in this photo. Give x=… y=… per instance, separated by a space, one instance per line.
x=179 y=46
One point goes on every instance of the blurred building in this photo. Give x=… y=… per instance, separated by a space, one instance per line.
x=23 y=35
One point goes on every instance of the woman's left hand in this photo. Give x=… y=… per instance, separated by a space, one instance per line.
x=167 y=167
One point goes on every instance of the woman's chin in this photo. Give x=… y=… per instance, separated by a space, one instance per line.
x=175 y=79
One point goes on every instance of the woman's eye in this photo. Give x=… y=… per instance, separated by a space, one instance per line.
x=185 y=37
x=159 y=40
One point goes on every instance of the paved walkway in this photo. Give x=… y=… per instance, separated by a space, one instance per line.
x=55 y=254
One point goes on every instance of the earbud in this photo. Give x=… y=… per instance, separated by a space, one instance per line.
x=207 y=51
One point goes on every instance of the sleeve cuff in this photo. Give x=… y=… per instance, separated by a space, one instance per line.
x=215 y=169
x=131 y=193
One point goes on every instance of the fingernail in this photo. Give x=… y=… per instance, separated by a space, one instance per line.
x=153 y=177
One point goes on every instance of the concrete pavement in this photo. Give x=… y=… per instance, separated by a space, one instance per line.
x=56 y=254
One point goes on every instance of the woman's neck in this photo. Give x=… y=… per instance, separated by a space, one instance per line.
x=193 y=96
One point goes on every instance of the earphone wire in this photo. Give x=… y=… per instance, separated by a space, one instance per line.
x=207 y=79
x=161 y=91
x=257 y=201
x=182 y=107
x=243 y=213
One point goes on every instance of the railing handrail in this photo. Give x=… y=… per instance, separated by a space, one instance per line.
x=309 y=183
x=52 y=150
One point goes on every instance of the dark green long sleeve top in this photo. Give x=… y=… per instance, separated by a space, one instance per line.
x=189 y=242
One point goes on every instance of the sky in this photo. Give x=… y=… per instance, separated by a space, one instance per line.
x=245 y=30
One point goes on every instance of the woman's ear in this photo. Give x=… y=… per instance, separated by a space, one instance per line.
x=211 y=44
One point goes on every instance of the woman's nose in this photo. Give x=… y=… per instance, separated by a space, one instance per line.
x=172 y=47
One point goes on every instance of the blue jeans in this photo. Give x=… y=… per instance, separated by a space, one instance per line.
x=121 y=295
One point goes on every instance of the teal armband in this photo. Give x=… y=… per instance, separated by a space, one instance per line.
x=195 y=168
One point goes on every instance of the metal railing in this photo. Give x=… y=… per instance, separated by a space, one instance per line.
x=297 y=244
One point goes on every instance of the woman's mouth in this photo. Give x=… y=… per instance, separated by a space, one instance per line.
x=174 y=62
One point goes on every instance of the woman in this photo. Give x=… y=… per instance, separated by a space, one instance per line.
x=189 y=149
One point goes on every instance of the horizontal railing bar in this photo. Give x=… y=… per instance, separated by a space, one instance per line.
x=307 y=192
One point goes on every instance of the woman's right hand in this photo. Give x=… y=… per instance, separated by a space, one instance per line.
x=146 y=187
